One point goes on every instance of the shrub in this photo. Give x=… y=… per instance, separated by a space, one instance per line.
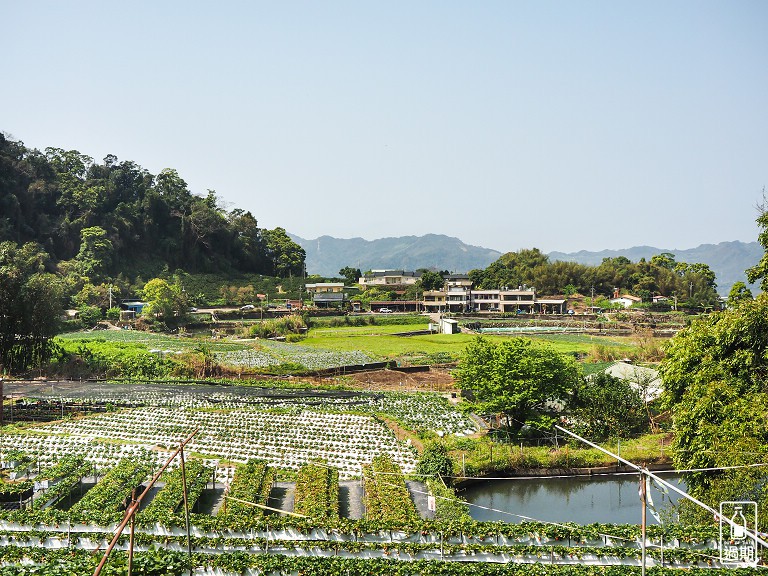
x=90 y=315
x=435 y=461
x=271 y=328
x=113 y=313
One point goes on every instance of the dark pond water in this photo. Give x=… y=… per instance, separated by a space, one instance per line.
x=582 y=499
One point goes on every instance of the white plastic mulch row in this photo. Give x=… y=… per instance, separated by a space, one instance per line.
x=345 y=441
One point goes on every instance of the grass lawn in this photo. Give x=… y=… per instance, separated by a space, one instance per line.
x=485 y=456
x=368 y=330
x=379 y=341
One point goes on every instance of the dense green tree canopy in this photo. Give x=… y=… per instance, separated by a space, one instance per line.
x=738 y=293
x=732 y=344
x=163 y=299
x=760 y=270
x=608 y=407
x=431 y=281
x=518 y=378
x=115 y=216
x=693 y=284
x=286 y=256
x=715 y=379
x=95 y=255
x=351 y=275
x=30 y=306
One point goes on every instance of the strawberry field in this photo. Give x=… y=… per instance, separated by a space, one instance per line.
x=248 y=438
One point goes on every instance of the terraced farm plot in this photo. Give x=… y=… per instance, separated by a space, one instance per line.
x=287 y=428
x=255 y=354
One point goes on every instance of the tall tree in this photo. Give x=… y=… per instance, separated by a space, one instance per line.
x=163 y=299
x=517 y=378
x=608 y=407
x=30 y=306
x=431 y=281
x=739 y=292
x=760 y=270
x=714 y=376
x=95 y=255
x=249 y=250
x=287 y=257
x=351 y=275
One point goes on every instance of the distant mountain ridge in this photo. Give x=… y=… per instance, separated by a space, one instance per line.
x=327 y=255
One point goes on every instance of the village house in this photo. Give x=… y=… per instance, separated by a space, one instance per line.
x=389 y=279
x=327 y=294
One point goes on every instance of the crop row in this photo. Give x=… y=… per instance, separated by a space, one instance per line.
x=59 y=480
x=271 y=353
x=476 y=554
x=386 y=496
x=111 y=494
x=317 y=492
x=416 y=410
x=346 y=441
x=251 y=484
x=244 y=354
x=60 y=469
x=45 y=562
x=169 y=499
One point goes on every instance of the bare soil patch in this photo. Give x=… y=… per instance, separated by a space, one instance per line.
x=434 y=380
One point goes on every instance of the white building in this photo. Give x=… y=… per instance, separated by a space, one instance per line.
x=389 y=279
x=626 y=300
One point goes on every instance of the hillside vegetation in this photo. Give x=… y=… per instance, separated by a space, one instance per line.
x=101 y=219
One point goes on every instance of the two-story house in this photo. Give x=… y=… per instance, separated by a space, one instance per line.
x=327 y=294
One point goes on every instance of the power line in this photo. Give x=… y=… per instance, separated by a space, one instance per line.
x=593 y=474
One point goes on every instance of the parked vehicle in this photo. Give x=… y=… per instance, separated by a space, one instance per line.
x=385 y=311
x=247 y=307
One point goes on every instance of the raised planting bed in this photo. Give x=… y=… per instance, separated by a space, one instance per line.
x=111 y=495
x=168 y=502
x=317 y=492
x=251 y=484
x=58 y=481
x=386 y=496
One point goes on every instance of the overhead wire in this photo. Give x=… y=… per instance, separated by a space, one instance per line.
x=523 y=517
x=551 y=523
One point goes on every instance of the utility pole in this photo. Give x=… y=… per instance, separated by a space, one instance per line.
x=136 y=504
x=643 y=513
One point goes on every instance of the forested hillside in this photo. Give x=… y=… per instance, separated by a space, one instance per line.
x=101 y=219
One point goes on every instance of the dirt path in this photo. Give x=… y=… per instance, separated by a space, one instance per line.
x=418 y=492
x=282 y=496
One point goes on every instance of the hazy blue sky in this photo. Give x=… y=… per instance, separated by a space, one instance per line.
x=563 y=125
